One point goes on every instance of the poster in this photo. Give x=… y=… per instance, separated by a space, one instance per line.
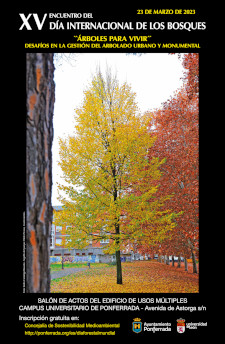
x=151 y=279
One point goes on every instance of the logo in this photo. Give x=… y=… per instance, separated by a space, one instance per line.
x=137 y=325
x=180 y=325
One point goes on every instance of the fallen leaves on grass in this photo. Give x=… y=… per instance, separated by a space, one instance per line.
x=138 y=277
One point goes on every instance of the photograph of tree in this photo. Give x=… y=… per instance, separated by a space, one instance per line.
x=126 y=216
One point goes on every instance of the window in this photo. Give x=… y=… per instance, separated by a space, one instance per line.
x=90 y=241
x=104 y=241
x=58 y=229
x=58 y=241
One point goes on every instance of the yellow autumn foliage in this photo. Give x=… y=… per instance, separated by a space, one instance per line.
x=103 y=163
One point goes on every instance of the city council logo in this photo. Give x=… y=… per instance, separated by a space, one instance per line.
x=137 y=325
x=180 y=325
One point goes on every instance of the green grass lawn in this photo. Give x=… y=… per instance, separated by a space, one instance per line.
x=58 y=266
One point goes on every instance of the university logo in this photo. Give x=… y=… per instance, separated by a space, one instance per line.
x=180 y=325
x=137 y=325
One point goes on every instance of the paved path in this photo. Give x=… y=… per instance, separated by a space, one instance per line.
x=65 y=272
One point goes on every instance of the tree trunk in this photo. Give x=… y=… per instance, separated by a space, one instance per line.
x=185 y=264
x=168 y=260
x=118 y=260
x=179 y=261
x=173 y=260
x=40 y=90
x=194 y=262
x=117 y=228
x=118 y=268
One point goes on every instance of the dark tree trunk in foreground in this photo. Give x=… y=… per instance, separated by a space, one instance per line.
x=40 y=90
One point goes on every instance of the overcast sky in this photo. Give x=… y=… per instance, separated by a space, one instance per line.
x=153 y=77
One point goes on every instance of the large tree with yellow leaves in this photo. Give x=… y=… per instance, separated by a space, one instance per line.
x=102 y=164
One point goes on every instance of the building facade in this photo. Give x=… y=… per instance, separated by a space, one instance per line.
x=94 y=249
